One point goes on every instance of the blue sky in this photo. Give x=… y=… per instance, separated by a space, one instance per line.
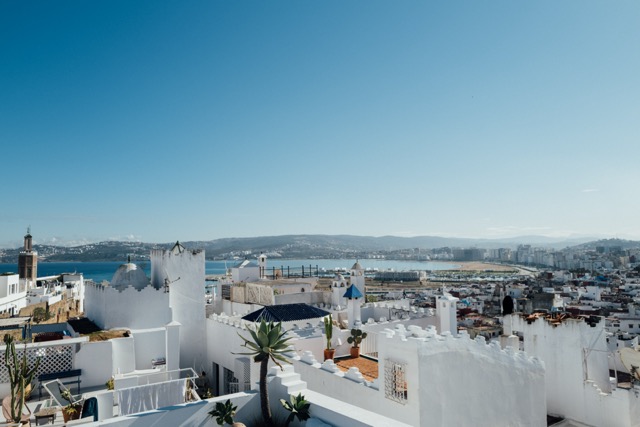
x=159 y=121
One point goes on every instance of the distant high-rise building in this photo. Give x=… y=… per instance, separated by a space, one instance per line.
x=469 y=254
x=28 y=260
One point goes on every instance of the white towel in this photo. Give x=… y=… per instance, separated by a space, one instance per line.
x=152 y=396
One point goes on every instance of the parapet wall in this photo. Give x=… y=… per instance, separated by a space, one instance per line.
x=423 y=377
x=110 y=308
x=575 y=353
x=440 y=371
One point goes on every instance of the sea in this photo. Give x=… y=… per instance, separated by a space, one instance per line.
x=99 y=271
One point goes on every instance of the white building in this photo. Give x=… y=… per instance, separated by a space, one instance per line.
x=575 y=354
x=248 y=271
x=421 y=377
x=174 y=295
x=13 y=294
x=446 y=312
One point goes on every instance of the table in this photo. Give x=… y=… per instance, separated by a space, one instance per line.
x=48 y=414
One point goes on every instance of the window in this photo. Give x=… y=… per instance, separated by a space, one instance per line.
x=395 y=381
x=230 y=382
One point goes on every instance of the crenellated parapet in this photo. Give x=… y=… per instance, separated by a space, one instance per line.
x=307 y=362
x=129 y=307
x=428 y=342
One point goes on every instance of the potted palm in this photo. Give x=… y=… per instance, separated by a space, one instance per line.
x=329 y=352
x=73 y=409
x=355 y=339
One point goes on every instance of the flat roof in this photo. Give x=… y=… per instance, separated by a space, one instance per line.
x=14 y=322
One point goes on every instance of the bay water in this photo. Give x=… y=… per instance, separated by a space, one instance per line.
x=99 y=271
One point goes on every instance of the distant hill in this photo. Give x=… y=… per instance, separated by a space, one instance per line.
x=297 y=246
x=609 y=243
x=369 y=243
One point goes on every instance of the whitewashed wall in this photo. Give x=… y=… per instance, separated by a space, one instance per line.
x=109 y=308
x=185 y=269
x=124 y=357
x=307 y=297
x=230 y=307
x=245 y=274
x=190 y=414
x=498 y=387
x=9 y=301
x=572 y=352
x=442 y=372
x=96 y=361
x=148 y=344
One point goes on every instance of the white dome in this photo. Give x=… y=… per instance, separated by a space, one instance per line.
x=338 y=277
x=129 y=275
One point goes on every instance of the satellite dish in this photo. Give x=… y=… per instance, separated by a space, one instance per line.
x=631 y=360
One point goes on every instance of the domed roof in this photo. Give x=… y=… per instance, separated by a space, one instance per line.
x=129 y=274
x=357 y=266
x=338 y=277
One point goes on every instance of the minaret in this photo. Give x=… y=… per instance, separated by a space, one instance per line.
x=354 y=304
x=446 y=312
x=262 y=263
x=28 y=260
x=357 y=277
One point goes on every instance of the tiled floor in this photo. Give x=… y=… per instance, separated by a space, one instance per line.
x=368 y=367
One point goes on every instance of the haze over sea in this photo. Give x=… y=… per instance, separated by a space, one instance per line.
x=99 y=271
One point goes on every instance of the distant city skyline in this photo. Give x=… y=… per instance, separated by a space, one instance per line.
x=162 y=121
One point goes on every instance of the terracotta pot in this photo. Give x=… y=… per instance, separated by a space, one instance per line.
x=355 y=352
x=329 y=354
x=72 y=416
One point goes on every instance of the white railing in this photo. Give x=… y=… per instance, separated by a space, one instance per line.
x=369 y=345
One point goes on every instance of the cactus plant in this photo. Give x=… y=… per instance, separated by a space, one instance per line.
x=356 y=337
x=20 y=376
x=328 y=330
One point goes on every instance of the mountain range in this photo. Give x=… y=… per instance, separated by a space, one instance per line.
x=303 y=246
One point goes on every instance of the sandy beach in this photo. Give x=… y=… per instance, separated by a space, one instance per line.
x=482 y=266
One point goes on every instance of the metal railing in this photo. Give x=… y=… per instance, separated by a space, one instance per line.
x=236 y=387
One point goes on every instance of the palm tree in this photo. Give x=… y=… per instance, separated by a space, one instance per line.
x=267 y=343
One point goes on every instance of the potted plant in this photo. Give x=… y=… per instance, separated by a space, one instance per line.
x=20 y=377
x=298 y=408
x=73 y=409
x=224 y=412
x=329 y=352
x=356 y=338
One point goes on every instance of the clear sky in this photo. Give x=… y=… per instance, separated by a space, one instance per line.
x=166 y=120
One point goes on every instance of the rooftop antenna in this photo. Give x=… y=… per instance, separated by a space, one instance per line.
x=168 y=281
